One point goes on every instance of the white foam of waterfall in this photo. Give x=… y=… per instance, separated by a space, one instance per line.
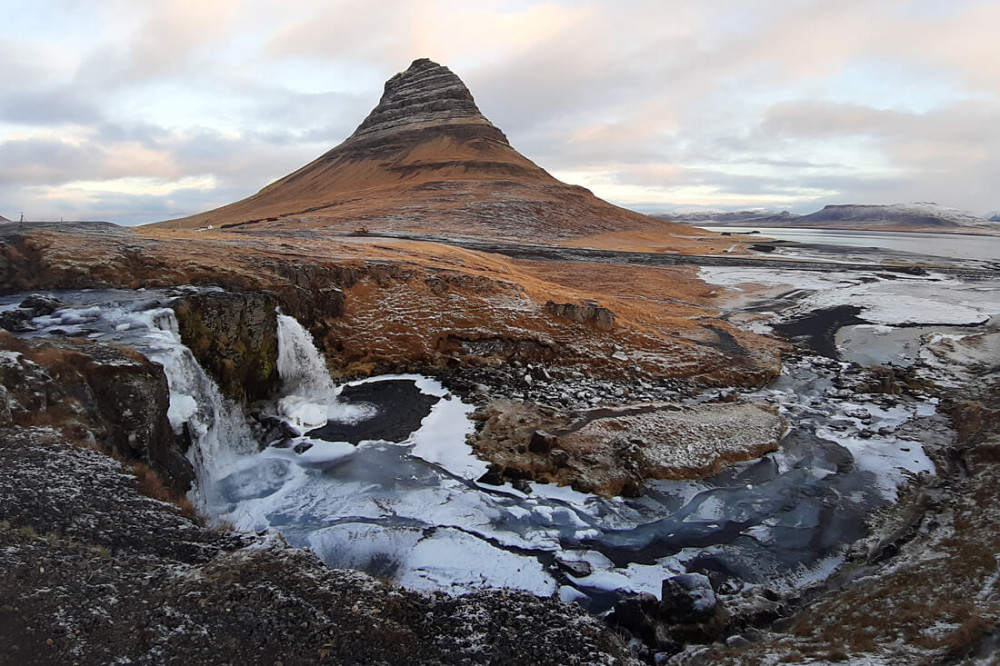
x=310 y=397
x=217 y=426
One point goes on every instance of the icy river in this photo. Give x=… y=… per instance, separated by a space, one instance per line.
x=408 y=507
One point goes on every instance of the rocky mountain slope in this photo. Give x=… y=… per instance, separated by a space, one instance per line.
x=896 y=217
x=426 y=159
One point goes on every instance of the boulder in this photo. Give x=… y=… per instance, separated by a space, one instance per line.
x=40 y=305
x=234 y=336
x=493 y=476
x=599 y=317
x=559 y=457
x=542 y=442
x=687 y=599
x=16 y=320
x=575 y=568
x=637 y=614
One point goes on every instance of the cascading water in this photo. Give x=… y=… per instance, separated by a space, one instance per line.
x=219 y=430
x=310 y=397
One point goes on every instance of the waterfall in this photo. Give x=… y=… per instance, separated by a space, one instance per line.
x=310 y=397
x=217 y=425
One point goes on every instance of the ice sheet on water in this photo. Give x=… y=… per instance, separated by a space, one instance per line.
x=887 y=458
x=455 y=561
x=633 y=578
x=733 y=277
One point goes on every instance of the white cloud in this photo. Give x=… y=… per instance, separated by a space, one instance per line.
x=791 y=103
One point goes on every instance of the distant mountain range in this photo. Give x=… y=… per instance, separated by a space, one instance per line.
x=895 y=217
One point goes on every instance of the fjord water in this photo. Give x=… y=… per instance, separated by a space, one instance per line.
x=956 y=246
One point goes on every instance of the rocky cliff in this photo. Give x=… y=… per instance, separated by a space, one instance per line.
x=426 y=159
x=234 y=336
x=389 y=305
x=110 y=398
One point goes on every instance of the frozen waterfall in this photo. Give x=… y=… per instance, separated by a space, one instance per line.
x=219 y=430
x=310 y=398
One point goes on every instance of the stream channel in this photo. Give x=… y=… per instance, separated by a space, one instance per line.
x=411 y=511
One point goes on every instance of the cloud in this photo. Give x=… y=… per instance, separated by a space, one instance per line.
x=793 y=102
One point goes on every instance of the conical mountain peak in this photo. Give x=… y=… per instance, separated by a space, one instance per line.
x=425 y=159
x=425 y=95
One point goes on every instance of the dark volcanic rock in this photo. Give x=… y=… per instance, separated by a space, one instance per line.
x=818 y=329
x=91 y=572
x=40 y=305
x=599 y=317
x=110 y=397
x=234 y=336
x=542 y=442
x=687 y=598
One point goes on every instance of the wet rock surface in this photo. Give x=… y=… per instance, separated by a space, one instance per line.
x=234 y=337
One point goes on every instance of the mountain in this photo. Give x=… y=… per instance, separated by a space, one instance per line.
x=741 y=218
x=3 y=219
x=915 y=215
x=426 y=159
x=896 y=217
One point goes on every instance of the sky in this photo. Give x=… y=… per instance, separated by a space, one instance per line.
x=136 y=112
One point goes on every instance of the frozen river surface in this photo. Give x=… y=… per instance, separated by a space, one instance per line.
x=412 y=511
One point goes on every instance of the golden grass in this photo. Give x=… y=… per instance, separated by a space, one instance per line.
x=149 y=483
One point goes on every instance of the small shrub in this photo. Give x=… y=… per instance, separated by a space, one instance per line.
x=837 y=654
x=149 y=483
x=968 y=634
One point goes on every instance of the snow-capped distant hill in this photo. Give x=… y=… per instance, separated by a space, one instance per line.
x=897 y=217
x=739 y=218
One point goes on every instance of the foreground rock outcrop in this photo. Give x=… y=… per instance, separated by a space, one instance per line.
x=95 y=395
x=92 y=572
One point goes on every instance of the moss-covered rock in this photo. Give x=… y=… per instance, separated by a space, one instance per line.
x=234 y=336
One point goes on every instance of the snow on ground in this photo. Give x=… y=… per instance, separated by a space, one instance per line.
x=735 y=276
x=893 y=302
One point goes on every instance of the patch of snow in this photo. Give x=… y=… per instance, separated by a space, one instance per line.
x=888 y=459
x=457 y=562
